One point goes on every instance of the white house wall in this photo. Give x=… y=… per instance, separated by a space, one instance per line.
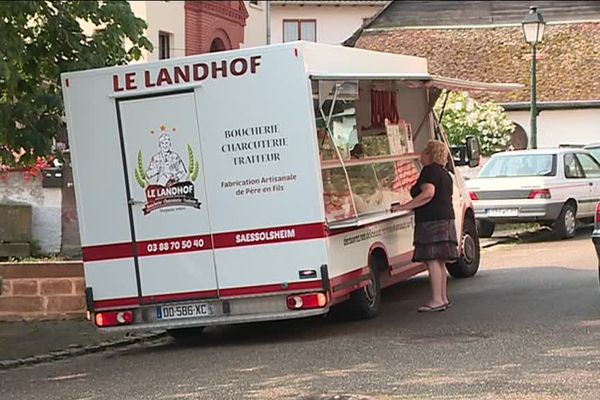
x=255 y=31
x=46 y=213
x=167 y=17
x=562 y=126
x=334 y=24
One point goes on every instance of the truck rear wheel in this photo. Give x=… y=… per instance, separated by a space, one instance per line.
x=468 y=261
x=186 y=333
x=365 y=302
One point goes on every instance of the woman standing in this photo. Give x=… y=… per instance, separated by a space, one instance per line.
x=435 y=238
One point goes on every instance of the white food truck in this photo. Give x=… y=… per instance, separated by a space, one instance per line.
x=253 y=185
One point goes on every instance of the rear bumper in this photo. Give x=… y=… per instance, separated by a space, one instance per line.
x=517 y=210
x=226 y=312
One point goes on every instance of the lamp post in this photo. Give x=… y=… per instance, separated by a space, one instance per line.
x=533 y=29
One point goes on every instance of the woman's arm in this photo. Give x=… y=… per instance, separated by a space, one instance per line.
x=427 y=193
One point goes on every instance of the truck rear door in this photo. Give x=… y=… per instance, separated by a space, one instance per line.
x=168 y=208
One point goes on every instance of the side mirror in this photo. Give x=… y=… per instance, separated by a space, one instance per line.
x=459 y=155
x=473 y=153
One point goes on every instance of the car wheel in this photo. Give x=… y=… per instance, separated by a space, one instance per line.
x=485 y=228
x=566 y=223
x=186 y=333
x=467 y=264
x=365 y=302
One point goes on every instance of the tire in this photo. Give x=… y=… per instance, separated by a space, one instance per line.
x=566 y=223
x=186 y=333
x=485 y=228
x=365 y=302
x=468 y=261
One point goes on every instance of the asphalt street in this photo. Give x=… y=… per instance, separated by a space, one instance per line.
x=526 y=327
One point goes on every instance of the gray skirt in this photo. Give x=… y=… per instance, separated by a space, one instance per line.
x=435 y=240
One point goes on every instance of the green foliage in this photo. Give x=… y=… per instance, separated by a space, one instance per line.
x=42 y=39
x=139 y=171
x=464 y=116
x=194 y=167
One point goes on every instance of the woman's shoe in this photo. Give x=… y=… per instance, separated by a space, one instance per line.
x=428 y=308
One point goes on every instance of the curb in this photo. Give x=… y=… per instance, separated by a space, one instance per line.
x=514 y=237
x=79 y=350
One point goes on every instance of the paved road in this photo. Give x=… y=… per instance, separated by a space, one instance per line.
x=526 y=327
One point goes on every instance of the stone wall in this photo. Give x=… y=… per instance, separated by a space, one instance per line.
x=39 y=291
x=46 y=214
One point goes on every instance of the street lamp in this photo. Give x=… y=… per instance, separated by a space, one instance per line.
x=533 y=29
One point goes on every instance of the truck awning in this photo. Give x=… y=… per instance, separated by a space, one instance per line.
x=441 y=82
x=433 y=81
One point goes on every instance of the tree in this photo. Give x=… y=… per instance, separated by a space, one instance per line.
x=42 y=39
x=464 y=116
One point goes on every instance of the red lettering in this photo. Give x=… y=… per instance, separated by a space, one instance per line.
x=254 y=63
x=130 y=81
x=148 y=79
x=182 y=75
x=239 y=66
x=222 y=69
x=163 y=76
x=200 y=76
x=116 y=86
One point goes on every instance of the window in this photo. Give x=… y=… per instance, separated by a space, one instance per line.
x=573 y=169
x=368 y=161
x=591 y=168
x=520 y=165
x=299 y=29
x=164 y=45
x=595 y=152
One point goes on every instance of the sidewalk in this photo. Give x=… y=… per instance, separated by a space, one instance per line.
x=23 y=343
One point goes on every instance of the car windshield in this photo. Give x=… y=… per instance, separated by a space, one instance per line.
x=520 y=165
x=595 y=152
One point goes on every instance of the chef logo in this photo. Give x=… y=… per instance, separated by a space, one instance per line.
x=167 y=181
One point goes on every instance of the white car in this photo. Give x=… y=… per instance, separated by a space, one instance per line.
x=555 y=187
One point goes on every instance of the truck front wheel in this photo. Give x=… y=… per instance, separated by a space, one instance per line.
x=468 y=261
x=485 y=228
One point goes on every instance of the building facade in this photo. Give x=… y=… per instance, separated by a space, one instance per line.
x=329 y=22
x=483 y=40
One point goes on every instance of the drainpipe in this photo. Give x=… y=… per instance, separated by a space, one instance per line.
x=268 y=12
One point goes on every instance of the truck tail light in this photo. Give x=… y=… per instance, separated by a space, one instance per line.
x=473 y=196
x=307 y=301
x=114 y=318
x=540 y=194
x=598 y=213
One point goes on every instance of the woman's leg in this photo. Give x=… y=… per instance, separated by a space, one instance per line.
x=436 y=278
x=444 y=282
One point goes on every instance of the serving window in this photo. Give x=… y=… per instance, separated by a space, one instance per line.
x=366 y=147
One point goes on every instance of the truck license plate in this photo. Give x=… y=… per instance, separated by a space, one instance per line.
x=503 y=212
x=184 y=311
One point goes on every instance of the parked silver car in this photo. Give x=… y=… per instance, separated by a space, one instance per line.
x=596 y=236
x=554 y=187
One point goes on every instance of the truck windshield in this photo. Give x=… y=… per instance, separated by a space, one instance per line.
x=520 y=165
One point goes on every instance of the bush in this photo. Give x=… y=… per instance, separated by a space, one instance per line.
x=464 y=116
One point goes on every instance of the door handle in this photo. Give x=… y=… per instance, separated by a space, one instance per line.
x=133 y=202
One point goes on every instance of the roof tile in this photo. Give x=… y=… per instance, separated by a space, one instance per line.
x=568 y=58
